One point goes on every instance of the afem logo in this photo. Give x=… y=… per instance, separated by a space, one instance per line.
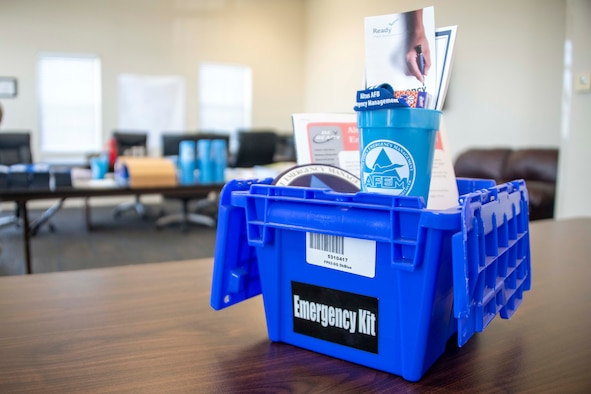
x=387 y=168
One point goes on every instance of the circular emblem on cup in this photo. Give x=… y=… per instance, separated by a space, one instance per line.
x=387 y=167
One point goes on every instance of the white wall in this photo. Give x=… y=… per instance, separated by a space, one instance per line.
x=505 y=87
x=575 y=153
x=308 y=55
x=158 y=37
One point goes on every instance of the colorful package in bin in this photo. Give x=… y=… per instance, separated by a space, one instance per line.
x=414 y=98
x=371 y=278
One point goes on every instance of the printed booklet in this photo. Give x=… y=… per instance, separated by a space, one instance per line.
x=327 y=138
x=400 y=51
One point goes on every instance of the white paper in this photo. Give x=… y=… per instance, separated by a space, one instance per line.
x=154 y=104
x=445 y=39
x=443 y=190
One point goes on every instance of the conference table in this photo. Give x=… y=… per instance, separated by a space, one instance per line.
x=149 y=328
x=86 y=189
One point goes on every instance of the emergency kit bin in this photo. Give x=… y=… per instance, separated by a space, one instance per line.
x=369 y=278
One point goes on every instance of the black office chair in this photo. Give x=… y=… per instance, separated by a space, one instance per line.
x=285 y=148
x=131 y=143
x=15 y=148
x=255 y=148
x=170 y=147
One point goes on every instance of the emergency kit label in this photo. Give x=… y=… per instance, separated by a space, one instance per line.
x=336 y=316
x=352 y=255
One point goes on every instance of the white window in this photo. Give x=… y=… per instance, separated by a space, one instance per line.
x=69 y=103
x=225 y=98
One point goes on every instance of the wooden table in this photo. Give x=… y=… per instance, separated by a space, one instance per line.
x=150 y=328
x=86 y=191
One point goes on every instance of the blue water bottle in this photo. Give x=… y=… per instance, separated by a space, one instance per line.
x=204 y=161
x=187 y=162
x=219 y=158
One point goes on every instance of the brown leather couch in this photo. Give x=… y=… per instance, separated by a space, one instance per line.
x=536 y=166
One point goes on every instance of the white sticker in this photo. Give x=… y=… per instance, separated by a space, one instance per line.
x=352 y=255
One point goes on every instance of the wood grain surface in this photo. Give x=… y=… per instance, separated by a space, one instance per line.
x=149 y=328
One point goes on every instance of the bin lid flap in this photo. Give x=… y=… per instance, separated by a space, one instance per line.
x=235 y=266
x=494 y=234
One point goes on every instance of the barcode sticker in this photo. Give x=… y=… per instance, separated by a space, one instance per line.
x=327 y=243
x=353 y=255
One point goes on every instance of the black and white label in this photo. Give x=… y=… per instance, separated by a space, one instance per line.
x=336 y=316
x=352 y=255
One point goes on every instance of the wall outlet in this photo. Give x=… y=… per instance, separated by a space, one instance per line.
x=583 y=82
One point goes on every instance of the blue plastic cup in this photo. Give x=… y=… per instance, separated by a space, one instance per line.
x=99 y=166
x=204 y=162
x=397 y=147
x=219 y=159
x=186 y=162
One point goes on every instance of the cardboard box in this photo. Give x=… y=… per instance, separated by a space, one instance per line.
x=145 y=172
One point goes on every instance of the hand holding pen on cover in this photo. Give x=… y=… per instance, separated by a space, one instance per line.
x=421 y=61
x=418 y=55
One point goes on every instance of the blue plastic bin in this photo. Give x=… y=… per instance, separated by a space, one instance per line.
x=373 y=279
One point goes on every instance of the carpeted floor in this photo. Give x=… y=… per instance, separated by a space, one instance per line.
x=112 y=242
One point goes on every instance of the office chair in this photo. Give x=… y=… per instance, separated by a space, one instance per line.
x=15 y=148
x=170 y=147
x=131 y=143
x=285 y=148
x=255 y=148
